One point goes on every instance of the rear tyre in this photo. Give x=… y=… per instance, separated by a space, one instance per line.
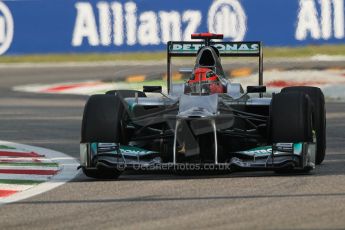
x=101 y=123
x=319 y=115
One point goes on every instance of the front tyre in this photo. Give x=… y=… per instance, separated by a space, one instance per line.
x=291 y=122
x=291 y=118
x=102 y=173
x=319 y=114
x=102 y=119
x=102 y=123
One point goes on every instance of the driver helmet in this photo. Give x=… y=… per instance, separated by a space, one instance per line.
x=205 y=81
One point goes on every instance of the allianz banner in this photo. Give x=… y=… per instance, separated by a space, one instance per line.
x=63 y=26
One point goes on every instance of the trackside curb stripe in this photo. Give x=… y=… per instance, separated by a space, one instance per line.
x=5 y=147
x=23 y=164
x=16 y=187
x=5 y=193
x=28 y=171
x=19 y=154
x=28 y=182
x=24 y=160
x=33 y=177
x=67 y=171
x=70 y=86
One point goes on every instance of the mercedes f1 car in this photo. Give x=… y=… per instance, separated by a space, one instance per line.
x=206 y=122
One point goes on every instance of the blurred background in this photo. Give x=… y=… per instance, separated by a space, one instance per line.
x=47 y=27
x=303 y=39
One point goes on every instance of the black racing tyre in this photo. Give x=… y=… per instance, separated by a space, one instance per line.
x=101 y=123
x=102 y=119
x=102 y=173
x=319 y=115
x=291 y=118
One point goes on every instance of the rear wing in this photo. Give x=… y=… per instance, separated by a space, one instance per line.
x=226 y=49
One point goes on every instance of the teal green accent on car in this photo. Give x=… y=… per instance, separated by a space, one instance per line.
x=94 y=147
x=126 y=150
x=267 y=150
x=258 y=151
x=297 y=148
x=131 y=105
x=131 y=150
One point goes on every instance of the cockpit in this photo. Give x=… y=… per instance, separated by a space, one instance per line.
x=208 y=75
x=208 y=57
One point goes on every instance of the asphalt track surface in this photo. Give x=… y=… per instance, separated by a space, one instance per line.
x=236 y=201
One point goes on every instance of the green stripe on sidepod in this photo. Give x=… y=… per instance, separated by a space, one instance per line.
x=22 y=182
x=29 y=164
x=6 y=147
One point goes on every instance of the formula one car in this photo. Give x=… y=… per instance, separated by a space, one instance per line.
x=206 y=122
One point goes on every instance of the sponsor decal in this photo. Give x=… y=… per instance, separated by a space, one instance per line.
x=113 y=147
x=224 y=48
x=117 y=24
x=259 y=151
x=320 y=19
x=107 y=147
x=280 y=148
x=6 y=28
x=284 y=147
x=228 y=17
x=135 y=150
x=120 y=24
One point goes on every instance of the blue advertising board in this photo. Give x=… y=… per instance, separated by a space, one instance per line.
x=64 y=26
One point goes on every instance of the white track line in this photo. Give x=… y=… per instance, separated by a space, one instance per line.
x=68 y=171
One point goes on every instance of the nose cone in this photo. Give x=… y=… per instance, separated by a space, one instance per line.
x=195 y=112
x=198 y=106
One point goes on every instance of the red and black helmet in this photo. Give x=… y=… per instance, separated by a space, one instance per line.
x=207 y=79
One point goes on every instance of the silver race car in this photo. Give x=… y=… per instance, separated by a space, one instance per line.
x=204 y=123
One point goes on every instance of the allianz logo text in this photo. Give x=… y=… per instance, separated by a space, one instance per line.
x=116 y=23
x=320 y=19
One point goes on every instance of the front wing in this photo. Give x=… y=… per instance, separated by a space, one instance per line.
x=280 y=156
